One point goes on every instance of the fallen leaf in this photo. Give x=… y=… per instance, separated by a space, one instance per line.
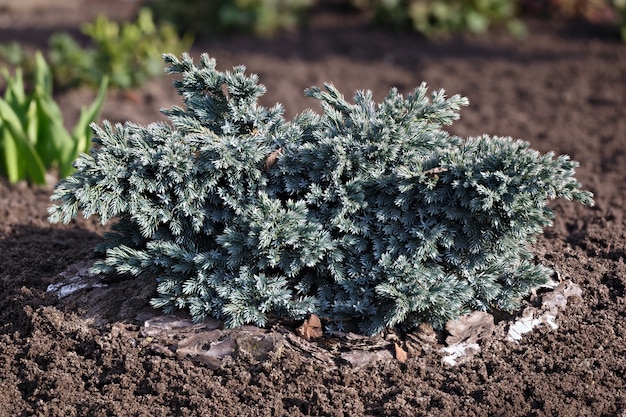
x=401 y=355
x=436 y=170
x=311 y=328
x=272 y=158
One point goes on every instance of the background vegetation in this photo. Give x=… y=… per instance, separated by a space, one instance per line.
x=129 y=54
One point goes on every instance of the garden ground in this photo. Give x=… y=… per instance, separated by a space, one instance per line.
x=563 y=88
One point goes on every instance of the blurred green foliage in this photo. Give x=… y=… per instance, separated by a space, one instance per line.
x=129 y=53
x=215 y=17
x=436 y=18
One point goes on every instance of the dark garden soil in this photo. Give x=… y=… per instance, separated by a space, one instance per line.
x=562 y=88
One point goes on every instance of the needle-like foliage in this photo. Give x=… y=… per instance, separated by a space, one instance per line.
x=366 y=212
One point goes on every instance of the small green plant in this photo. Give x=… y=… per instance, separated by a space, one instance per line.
x=368 y=212
x=13 y=54
x=435 y=18
x=260 y=17
x=128 y=53
x=33 y=138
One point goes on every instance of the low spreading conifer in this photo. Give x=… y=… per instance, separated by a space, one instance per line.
x=365 y=213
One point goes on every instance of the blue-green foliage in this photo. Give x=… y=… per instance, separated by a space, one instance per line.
x=370 y=212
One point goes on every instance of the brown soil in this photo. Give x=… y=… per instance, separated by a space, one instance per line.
x=561 y=89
